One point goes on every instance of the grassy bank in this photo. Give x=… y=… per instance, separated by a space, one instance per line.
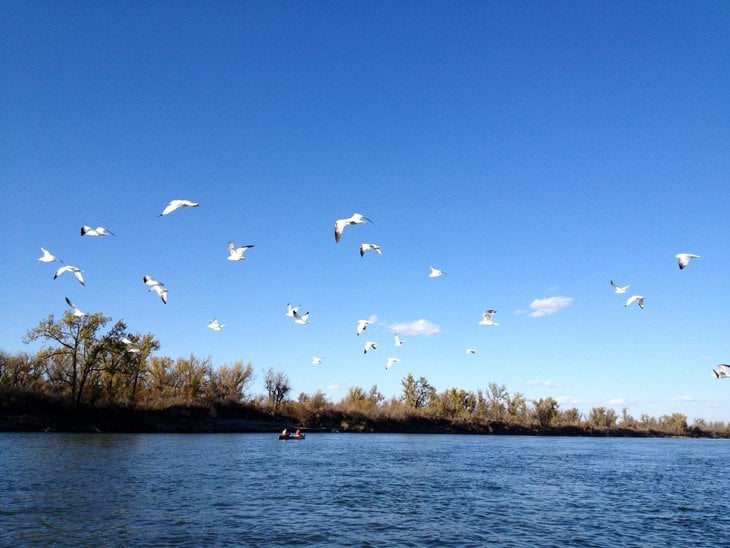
x=42 y=413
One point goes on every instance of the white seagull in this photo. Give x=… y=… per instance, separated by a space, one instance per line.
x=301 y=319
x=471 y=351
x=362 y=325
x=722 y=371
x=370 y=345
x=69 y=268
x=157 y=287
x=390 y=362
x=619 y=289
x=215 y=325
x=487 y=317
x=76 y=311
x=435 y=272
x=398 y=341
x=48 y=257
x=291 y=310
x=130 y=346
x=176 y=204
x=316 y=360
x=638 y=299
x=236 y=253
x=684 y=258
x=98 y=231
x=150 y=281
x=369 y=247
x=340 y=224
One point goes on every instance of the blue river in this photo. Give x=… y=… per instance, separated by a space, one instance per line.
x=361 y=490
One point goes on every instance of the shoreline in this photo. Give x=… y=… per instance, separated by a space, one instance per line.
x=238 y=418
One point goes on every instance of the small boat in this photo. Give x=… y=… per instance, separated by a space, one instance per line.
x=291 y=437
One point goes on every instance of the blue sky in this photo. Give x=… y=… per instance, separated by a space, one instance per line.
x=530 y=150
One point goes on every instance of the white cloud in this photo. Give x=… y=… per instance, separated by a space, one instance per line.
x=546 y=384
x=418 y=327
x=333 y=387
x=685 y=398
x=568 y=400
x=549 y=305
x=617 y=401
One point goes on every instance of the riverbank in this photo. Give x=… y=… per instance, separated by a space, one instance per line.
x=42 y=414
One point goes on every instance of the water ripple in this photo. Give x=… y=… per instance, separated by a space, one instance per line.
x=360 y=490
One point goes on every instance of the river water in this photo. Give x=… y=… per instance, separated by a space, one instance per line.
x=361 y=489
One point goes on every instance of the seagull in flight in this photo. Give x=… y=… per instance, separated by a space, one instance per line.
x=98 y=231
x=301 y=319
x=215 y=325
x=362 y=325
x=236 y=253
x=76 y=311
x=722 y=371
x=369 y=247
x=48 y=257
x=619 y=289
x=316 y=360
x=684 y=258
x=150 y=281
x=471 y=351
x=370 y=345
x=157 y=287
x=69 y=268
x=291 y=310
x=398 y=341
x=638 y=299
x=390 y=362
x=340 y=224
x=487 y=317
x=435 y=272
x=177 y=204
x=130 y=346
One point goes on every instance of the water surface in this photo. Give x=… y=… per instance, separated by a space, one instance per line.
x=361 y=489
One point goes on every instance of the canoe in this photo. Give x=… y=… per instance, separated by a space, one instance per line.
x=291 y=437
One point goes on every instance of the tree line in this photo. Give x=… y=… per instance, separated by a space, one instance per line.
x=90 y=360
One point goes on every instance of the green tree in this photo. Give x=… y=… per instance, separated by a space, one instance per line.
x=21 y=372
x=600 y=417
x=545 y=411
x=517 y=408
x=569 y=416
x=193 y=376
x=497 y=401
x=231 y=382
x=417 y=393
x=676 y=423
x=73 y=349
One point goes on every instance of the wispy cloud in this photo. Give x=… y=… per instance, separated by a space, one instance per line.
x=546 y=383
x=617 y=401
x=418 y=327
x=684 y=398
x=568 y=400
x=333 y=387
x=549 y=305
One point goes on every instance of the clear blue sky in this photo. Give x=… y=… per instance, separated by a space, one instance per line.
x=529 y=149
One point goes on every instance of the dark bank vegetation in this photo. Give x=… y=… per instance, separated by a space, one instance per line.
x=92 y=375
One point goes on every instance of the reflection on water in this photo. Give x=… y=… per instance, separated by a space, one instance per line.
x=339 y=489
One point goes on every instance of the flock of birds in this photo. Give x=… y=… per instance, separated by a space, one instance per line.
x=237 y=253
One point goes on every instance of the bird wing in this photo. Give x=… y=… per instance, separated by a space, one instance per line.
x=339 y=227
